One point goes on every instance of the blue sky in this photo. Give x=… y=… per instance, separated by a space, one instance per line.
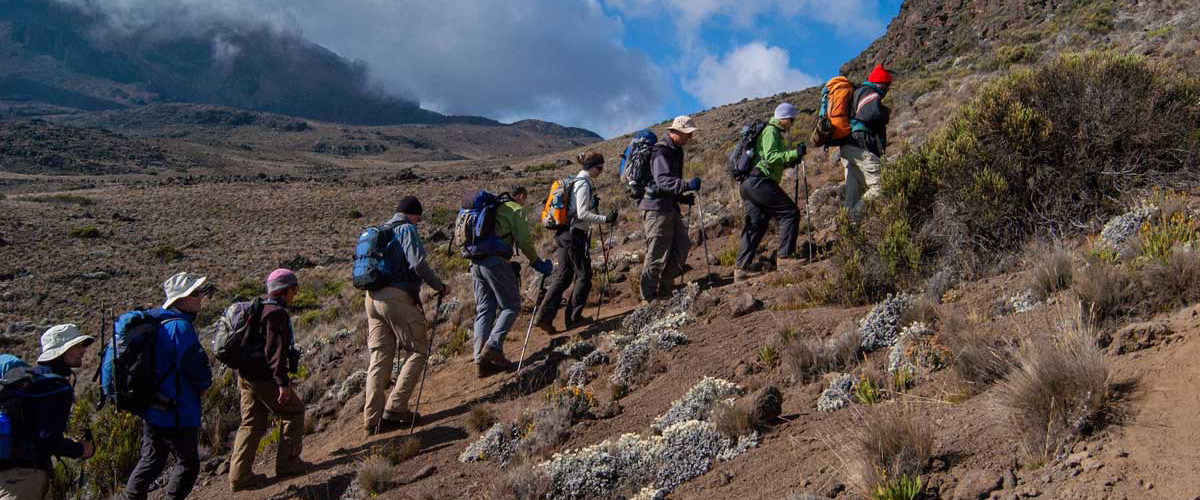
x=612 y=66
x=704 y=51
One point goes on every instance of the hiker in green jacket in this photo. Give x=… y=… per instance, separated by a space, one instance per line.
x=764 y=199
x=513 y=227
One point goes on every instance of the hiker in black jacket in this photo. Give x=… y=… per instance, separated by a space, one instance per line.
x=667 y=242
x=861 y=152
x=63 y=348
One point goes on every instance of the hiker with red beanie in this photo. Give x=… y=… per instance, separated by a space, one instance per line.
x=862 y=150
x=266 y=388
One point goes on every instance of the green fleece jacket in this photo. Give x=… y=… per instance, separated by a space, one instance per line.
x=775 y=154
x=512 y=226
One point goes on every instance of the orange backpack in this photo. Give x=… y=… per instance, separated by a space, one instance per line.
x=833 y=120
x=556 y=211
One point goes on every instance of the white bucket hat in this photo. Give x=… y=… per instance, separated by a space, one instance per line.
x=684 y=124
x=181 y=285
x=59 y=338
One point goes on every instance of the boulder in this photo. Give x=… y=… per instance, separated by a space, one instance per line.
x=976 y=485
x=1140 y=336
x=767 y=404
x=745 y=304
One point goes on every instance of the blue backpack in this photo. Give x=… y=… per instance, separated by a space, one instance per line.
x=20 y=387
x=371 y=265
x=475 y=228
x=127 y=364
x=635 y=165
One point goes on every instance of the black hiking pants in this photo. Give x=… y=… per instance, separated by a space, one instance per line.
x=765 y=200
x=157 y=444
x=572 y=268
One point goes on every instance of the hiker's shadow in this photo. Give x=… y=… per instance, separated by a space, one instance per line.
x=431 y=438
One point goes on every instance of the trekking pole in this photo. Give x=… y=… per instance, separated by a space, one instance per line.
x=704 y=238
x=604 y=286
x=533 y=315
x=428 y=352
x=808 y=229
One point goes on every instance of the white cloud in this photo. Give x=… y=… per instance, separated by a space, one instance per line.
x=752 y=70
x=550 y=59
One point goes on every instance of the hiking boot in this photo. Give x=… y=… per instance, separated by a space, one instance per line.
x=547 y=325
x=253 y=481
x=740 y=275
x=496 y=360
x=484 y=369
x=293 y=467
x=400 y=417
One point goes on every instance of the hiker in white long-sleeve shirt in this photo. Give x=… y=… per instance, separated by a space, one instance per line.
x=573 y=261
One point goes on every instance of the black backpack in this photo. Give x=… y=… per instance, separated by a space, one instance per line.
x=742 y=159
x=127 y=368
x=20 y=388
x=238 y=340
x=635 y=165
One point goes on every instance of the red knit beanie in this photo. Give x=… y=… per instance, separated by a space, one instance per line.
x=880 y=75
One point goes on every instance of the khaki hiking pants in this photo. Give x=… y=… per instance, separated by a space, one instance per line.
x=667 y=247
x=394 y=321
x=24 y=484
x=259 y=401
x=862 y=177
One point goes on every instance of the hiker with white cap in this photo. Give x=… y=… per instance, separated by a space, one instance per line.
x=265 y=387
x=37 y=434
x=667 y=242
x=764 y=199
x=181 y=368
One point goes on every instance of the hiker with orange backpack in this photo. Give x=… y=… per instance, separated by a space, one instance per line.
x=573 y=262
x=764 y=199
x=862 y=150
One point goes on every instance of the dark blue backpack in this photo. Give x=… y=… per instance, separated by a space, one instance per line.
x=635 y=165
x=127 y=377
x=371 y=266
x=475 y=228
x=20 y=388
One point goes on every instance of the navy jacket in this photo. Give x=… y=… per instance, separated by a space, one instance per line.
x=50 y=416
x=870 y=119
x=666 y=174
x=182 y=366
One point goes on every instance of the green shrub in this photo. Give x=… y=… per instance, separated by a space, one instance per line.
x=1157 y=238
x=65 y=199
x=117 y=437
x=167 y=253
x=219 y=422
x=541 y=167
x=904 y=487
x=728 y=257
x=768 y=356
x=1034 y=153
x=867 y=391
x=271 y=437
x=86 y=232
x=246 y=289
x=456 y=344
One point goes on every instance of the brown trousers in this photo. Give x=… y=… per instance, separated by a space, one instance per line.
x=259 y=401
x=394 y=321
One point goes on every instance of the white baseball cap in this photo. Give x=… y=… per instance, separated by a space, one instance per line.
x=59 y=338
x=684 y=124
x=181 y=285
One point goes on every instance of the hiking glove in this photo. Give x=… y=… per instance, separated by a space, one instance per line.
x=694 y=185
x=687 y=199
x=612 y=217
x=542 y=266
x=801 y=149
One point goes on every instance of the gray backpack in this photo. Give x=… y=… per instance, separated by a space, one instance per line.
x=238 y=341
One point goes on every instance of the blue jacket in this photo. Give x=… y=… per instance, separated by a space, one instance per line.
x=182 y=366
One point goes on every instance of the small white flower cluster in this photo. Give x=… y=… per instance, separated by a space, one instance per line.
x=698 y=402
x=644 y=316
x=348 y=388
x=498 y=444
x=880 y=327
x=901 y=355
x=661 y=334
x=1122 y=228
x=837 y=395
x=578 y=374
x=1022 y=301
x=596 y=358
x=576 y=350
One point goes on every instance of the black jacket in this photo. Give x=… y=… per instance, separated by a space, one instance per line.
x=666 y=173
x=50 y=415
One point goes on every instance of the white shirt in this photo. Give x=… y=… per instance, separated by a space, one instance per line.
x=582 y=203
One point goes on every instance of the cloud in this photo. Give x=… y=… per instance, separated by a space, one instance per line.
x=849 y=18
x=551 y=59
x=752 y=70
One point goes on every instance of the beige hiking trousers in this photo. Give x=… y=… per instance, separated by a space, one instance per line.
x=394 y=321
x=24 y=484
x=259 y=401
x=862 y=176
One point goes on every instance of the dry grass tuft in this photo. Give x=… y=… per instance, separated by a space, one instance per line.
x=1171 y=285
x=1057 y=392
x=523 y=482
x=376 y=474
x=544 y=431
x=979 y=359
x=891 y=442
x=809 y=358
x=481 y=418
x=1105 y=291
x=733 y=421
x=1051 y=275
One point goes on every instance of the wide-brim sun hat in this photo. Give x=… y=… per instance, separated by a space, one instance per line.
x=181 y=285
x=60 y=338
x=683 y=124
